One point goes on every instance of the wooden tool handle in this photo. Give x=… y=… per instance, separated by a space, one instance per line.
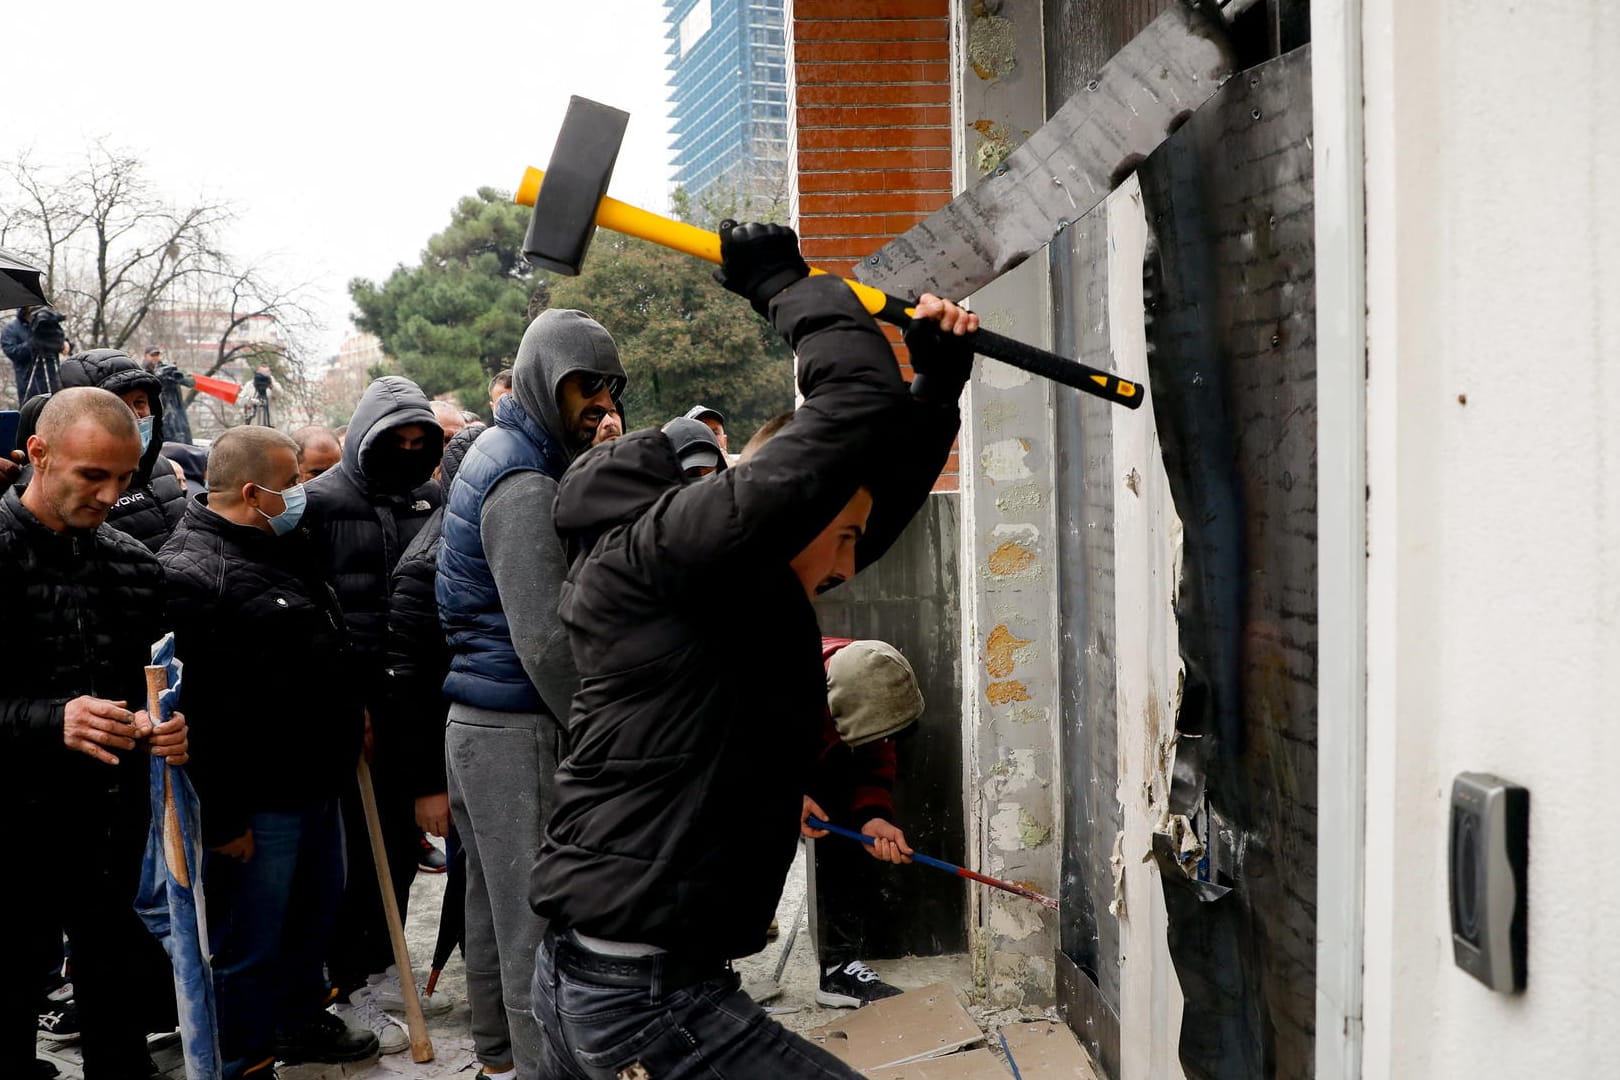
x=174 y=842
x=415 y=1022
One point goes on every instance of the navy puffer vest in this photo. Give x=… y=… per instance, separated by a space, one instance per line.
x=484 y=668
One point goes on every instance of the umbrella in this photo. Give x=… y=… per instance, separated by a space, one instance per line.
x=452 y=912
x=170 y=899
x=19 y=281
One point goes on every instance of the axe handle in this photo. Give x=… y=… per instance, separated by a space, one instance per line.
x=174 y=844
x=629 y=220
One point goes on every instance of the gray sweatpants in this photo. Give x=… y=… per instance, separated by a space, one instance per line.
x=501 y=768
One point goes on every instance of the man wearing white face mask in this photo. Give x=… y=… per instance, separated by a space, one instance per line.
x=243 y=581
x=156 y=499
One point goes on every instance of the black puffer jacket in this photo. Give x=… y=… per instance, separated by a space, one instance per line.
x=678 y=804
x=410 y=727
x=367 y=510
x=155 y=501
x=243 y=604
x=82 y=610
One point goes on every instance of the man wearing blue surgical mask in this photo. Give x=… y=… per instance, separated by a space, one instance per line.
x=156 y=498
x=243 y=580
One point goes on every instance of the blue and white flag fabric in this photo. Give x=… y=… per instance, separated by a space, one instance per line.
x=171 y=893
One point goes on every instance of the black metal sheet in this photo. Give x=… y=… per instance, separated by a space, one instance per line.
x=1066 y=167
x=1231 y=332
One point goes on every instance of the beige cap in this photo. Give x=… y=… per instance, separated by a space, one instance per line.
x=871 y=691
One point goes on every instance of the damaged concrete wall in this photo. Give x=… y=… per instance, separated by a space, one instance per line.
x=1010 y=542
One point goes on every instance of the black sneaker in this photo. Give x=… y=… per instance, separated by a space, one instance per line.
x=327 y=1040
x=60 y=1023
x=429 y=859
x=851 y=986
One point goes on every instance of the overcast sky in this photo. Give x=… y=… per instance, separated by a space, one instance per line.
x=342 y=131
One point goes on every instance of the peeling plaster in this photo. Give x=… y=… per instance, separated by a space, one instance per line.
x=994 y=415
x=1015 y=557
x=1003 y=461
x=1005 y=693
x=1003 y=827
x=1016 y=918
x=991 y=46
x=1001 y=650
x=1018 y=772
x=1116 y=863
x=1023 y=499
x=1002 y=376
x=1031 y=833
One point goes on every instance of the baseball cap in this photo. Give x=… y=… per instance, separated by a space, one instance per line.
x=695 y=445
x=700 y=412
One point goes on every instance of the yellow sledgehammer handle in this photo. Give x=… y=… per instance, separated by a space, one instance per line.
x=629 y=220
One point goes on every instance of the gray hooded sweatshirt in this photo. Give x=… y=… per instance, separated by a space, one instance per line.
x=515 y=523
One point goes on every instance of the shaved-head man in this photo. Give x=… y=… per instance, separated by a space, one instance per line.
x=448 y=414
x=243 y=580
x=84 y=603
x=318 y=450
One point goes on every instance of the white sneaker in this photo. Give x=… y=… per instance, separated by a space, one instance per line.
x=388 y=994
x=362 y=1014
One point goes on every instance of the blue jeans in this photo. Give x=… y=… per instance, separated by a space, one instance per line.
x=708 y=1031
x=270 y=922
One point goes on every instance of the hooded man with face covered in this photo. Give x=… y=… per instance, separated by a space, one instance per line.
x=511 y=674
x=366 y=511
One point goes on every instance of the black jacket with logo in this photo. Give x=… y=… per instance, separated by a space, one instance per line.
x=273 y=710
x=82 y=610
x=677 y=809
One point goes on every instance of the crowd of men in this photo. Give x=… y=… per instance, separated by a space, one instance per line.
x=516 y=626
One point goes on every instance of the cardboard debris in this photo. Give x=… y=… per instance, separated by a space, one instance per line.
x=970 y=1065
x=1046 y=1051
x=915 y=1025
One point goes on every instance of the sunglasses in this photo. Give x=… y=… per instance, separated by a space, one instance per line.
x=591 y=385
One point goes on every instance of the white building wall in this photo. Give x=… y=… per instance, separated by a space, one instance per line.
x=1493 y=515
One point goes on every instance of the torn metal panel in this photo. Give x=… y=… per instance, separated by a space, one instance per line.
x=1232 y=325
x=1066 y=167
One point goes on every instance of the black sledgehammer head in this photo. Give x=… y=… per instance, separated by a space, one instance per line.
x=564 y=218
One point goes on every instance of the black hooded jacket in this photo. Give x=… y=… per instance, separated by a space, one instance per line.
x=240 y=602
x=677 y=808
x=367 y=510
x=155 y=501
x=410 y=733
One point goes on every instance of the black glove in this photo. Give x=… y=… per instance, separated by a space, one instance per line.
x=943 y=361
x=759 y=261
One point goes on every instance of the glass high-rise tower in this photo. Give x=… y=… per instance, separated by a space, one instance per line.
x=729 y=92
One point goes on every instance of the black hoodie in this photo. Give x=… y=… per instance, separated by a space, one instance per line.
x=369 y=509
x=678 y=804
x=410 y=725
x=155 y=501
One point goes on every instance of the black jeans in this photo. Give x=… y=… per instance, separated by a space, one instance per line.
x=710 y=1030
x=80 y=874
